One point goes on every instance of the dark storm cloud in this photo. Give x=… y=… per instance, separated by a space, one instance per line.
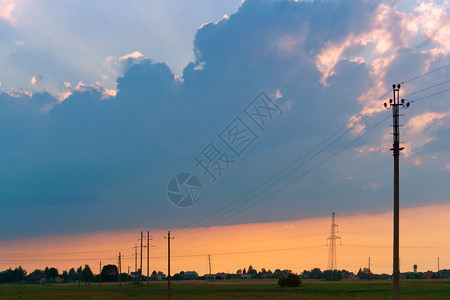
x=90 y=158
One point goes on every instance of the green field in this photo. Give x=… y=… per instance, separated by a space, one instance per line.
x=233 y=289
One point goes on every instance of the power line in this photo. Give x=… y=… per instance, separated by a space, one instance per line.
x=65 y=259
x=427 y=88
x=244 y=252
x=304 y=174
x=284 y=169
x=289 y=166
x=30 y=256
x=287 y=174
x=254 y=251
x=53 y=254
x=293 y=163
x=254 y=241
x=425 y=74
x=390 y=247
x=420 y=99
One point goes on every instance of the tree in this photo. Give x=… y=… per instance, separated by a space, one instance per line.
x=332 y=275
x=153 y=276
x=79 y=275
x=291 y=280
x=19 y=274
x=72 y=275
x=64 y=275
x=87 y=274
x=109 y=273
x=251 y=271
x=36 y=275
x=364 y=274
x=51 y=273
x=280 y=274
x=10 y=275
x=315 y=273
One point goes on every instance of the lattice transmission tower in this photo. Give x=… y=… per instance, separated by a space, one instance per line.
x=332 y=263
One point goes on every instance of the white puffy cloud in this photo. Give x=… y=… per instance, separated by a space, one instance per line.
x=81 y=87
x=420 y=130
x=36 y=79
x=7 y=8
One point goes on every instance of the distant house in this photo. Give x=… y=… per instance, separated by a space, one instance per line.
x=246 y=276
x=428 y=274
x=59 y=279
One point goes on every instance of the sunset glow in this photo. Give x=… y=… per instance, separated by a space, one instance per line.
x=294 y=244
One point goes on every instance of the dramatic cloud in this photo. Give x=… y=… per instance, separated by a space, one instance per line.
x=87 y=150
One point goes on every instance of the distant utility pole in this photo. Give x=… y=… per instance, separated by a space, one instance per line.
x=135 y=261
x=332 y=262
x=119 y=270
x=209 y=260
x=148 y=257
x=395 y=104
x=168 y=262
x=438 y=263
x=140 y=270
x=369 y=264
x=100 y=280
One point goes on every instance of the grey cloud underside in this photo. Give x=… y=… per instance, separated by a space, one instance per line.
x=92 y=164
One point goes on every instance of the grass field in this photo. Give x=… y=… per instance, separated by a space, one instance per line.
x=233 y=289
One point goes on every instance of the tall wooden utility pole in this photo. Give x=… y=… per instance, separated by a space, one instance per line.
x=140 y=270
x=395 y=105
x=168 y=262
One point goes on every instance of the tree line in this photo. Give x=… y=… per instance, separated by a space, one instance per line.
x=109 y=273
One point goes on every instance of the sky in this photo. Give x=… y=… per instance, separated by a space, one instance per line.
x=295 y=245
x=260 y=111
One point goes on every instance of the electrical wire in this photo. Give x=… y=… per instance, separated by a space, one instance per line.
x=304 y=174
x=293 y=181
x=254 y=241
x=303 y=156
x=427 y=88
x=429 y=96
x=350 y=125
x=285 y=175
x=425 y=74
